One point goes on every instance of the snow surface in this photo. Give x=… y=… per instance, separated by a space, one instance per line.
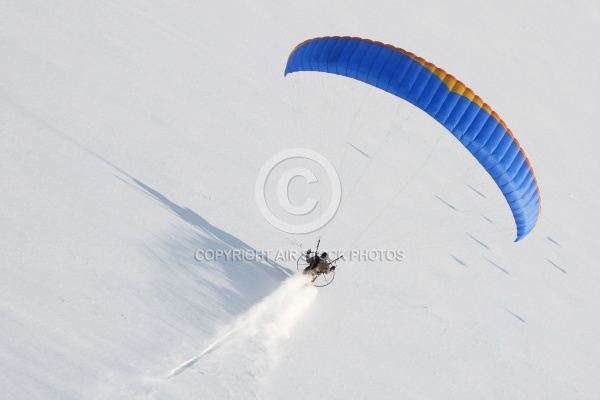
x=131 y=137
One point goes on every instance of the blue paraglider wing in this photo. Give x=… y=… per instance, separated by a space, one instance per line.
x=443 y=97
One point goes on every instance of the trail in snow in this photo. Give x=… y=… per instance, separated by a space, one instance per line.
x=236 y=362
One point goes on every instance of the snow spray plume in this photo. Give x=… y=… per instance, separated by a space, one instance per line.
x=250 y=346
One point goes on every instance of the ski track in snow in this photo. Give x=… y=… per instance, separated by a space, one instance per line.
x=249 y=346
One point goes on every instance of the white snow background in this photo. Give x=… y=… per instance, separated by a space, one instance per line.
x=131 y=136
